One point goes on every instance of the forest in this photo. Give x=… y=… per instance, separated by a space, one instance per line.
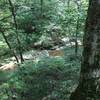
x=49 y=49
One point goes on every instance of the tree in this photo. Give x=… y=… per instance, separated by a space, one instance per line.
x=16 y=30
x=89 y=82
x=77 y=27
x=9 y=45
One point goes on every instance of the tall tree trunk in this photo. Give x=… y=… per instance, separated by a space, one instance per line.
x=8 y=44
x=76 y=37
x=77 y=27
x=18 y=41
x=89 y=83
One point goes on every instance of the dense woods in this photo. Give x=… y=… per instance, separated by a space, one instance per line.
x=49 y=49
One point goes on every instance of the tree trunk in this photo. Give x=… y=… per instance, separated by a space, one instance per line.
x=89 y=83
x=76 y=37
x=14 y=54
x=18 y=41
x=77 y=28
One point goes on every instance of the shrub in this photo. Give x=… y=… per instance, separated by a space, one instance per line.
x=49 y=78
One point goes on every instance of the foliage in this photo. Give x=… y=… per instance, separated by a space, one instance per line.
x=36 y=18
x=50 y=77
x=40 y=21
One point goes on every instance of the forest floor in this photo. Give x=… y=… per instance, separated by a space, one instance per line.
x=56 y=72
x=35 y=55
x=63 y=71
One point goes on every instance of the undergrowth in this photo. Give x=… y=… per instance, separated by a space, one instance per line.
x=49 y=79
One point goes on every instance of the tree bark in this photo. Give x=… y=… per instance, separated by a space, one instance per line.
x=89 y=82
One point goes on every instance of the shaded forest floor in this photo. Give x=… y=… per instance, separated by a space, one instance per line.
x=51 y=78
